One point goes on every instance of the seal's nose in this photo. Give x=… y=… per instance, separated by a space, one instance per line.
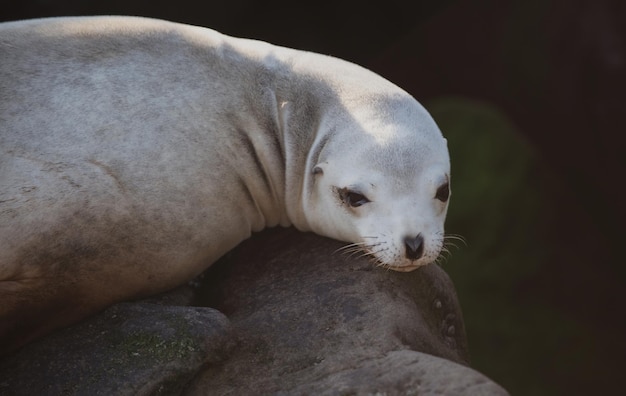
x=414 y=247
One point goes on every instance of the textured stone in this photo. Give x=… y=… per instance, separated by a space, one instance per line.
x=129 y=349
x=303 y=318
x=311 y=321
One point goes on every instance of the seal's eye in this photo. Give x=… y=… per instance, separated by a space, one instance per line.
x=443 y=192
x=352 y=198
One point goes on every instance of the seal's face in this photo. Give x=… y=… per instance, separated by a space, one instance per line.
x=388 y=198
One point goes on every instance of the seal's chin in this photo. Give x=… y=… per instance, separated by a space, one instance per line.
x=407 y=265
x=406 y=268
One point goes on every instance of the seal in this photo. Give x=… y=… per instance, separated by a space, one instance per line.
x=135 y=152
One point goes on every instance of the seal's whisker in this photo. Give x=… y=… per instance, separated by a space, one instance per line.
x=358 y=253
x=449 y=243
x=351 y=250
x=350 y=246
x=380 y=264
x=359 y=250
x=373 y=255
x=365 y=254
x=455 y=237
x=449 y=246
x=440 y=260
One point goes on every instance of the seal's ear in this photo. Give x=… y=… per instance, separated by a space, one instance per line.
x=318 y=169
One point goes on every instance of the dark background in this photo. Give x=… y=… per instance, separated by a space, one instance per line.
x=531 y=95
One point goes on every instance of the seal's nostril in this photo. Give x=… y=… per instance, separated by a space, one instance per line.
x=414 y=247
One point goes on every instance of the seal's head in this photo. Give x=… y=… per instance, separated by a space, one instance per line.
x=384 y=185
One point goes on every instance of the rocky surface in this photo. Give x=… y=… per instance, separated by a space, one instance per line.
x=129 y=349
x=302 y=319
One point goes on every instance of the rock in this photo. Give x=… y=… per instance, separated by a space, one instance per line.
x=302 y=319
x=311 y=321
x=129 y=349
x=402 y=373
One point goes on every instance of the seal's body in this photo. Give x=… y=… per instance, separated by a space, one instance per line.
x=135 y=152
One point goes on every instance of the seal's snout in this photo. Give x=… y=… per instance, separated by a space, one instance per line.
x=414 y=246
